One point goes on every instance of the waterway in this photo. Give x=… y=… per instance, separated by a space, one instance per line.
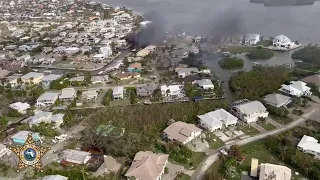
x=211 y=60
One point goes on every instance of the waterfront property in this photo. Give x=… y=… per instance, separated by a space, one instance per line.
x=252 y=39
x=309 y=145
x=183 y=72
x=181 y=132
x=146 y=90
x=249 y=111
x=205 y=84
x=277 y=100
x=296 y=88
x=147 y=165
x=217 y=119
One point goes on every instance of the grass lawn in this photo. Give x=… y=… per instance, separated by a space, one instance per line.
x=237 y=49
x=182 y=177
x=282 y=121
x=267 y=126
x=249 y=130
x=258 y=151
x=265 y=43
x=195 y=160
x=122 y=102
x=214 y=144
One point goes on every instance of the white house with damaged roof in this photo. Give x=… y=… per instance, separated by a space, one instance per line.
x=77 y=79
x=249 y=111
x=252 y=39
x=75 y=156
x=47 y=99
x=118 y=92
x=47 y=117
x=309 y=145
x=67 y=94
x=147 y=165
x=296 y=88
x=90 y=95
x=20 y=107
x=277 y=100
x=183 y=72
x=12 y=80
x=205 y=84
x=181 y=132
x=217 y=119
x=171 y=90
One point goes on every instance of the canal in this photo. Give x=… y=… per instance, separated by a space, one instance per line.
x=211 y=61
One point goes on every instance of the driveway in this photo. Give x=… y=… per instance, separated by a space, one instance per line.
x=173 y=171
x=207 y=163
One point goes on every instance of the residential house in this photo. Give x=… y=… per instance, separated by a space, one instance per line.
x=252 y=39
x=97 y=79
x=183 y=72
x=249 y=111
x=281 y=41
x=67 y=94
x=268 y=171
x=54 y=177
x=20 y=107
x=46 y=99
x=110 y=165
x=205 y=84
x=147 y=165
x=217 y=119
x=309 y=145
x=47 y=80
x=277 y=100
x=314 y=79
x=21 y=137
x=48 y=117
x=4 y=151
x=90 y=95
x=13 y=80
x=118 y=92
x=99 y=57
x=146 y=51
x=146 y=90
x=171 y=90
x=75 y=156
x=127 y=75
x=135 y=67
x=32 y=78
x=181 y=132
x=296 y=88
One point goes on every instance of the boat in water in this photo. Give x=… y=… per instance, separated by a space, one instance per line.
x=284 y=2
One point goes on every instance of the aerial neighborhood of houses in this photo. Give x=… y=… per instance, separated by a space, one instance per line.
x=61 y=62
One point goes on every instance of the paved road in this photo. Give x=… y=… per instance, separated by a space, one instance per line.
x=206 y=164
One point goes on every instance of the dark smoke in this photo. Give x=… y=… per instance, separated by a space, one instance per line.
x=152 y=33
x=224 y=24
